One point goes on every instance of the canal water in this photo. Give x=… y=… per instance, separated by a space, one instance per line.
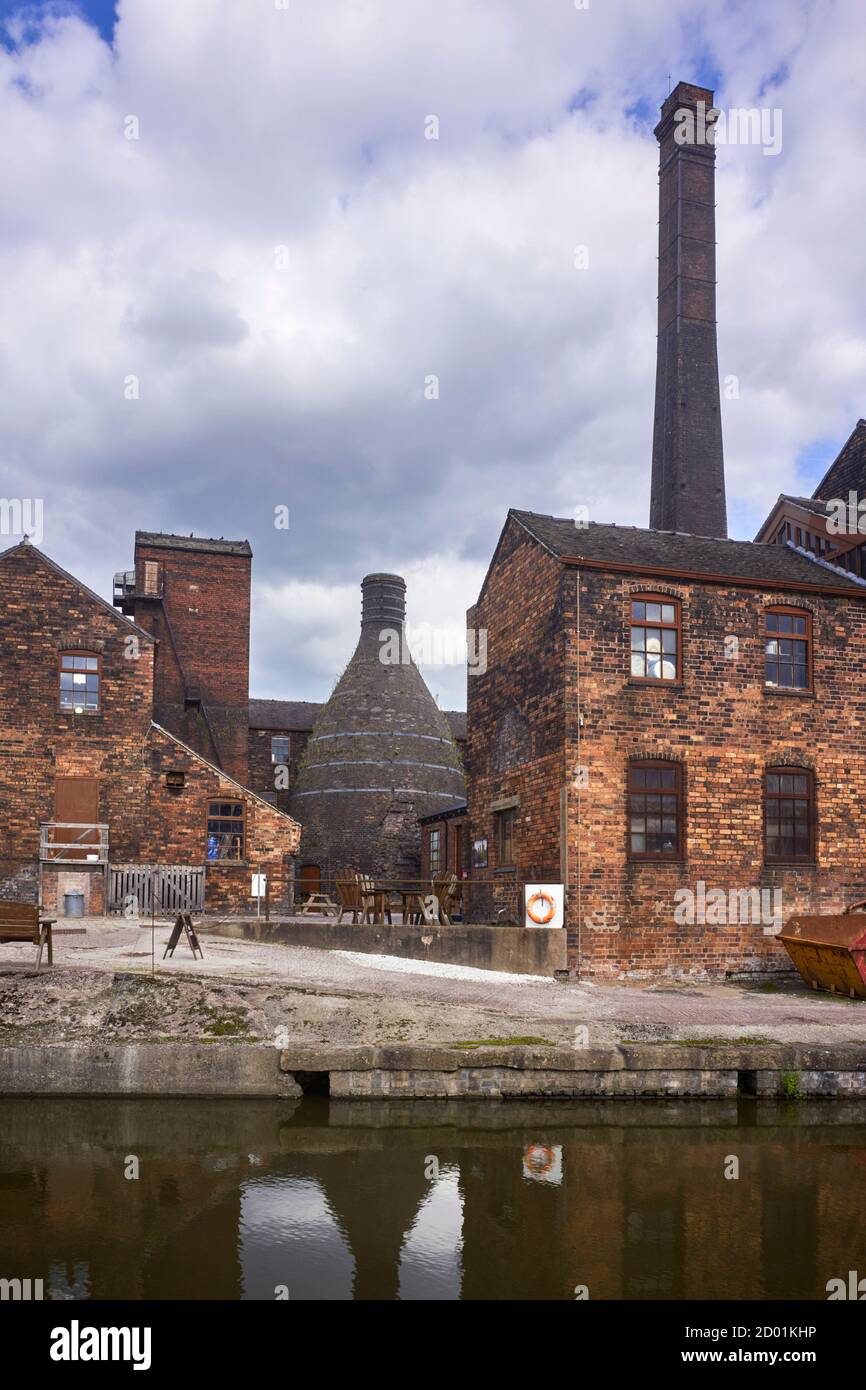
x=443 y=1200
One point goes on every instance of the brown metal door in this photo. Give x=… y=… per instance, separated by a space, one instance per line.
x=76 y=799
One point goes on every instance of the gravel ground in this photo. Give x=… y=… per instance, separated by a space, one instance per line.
x=101 y=986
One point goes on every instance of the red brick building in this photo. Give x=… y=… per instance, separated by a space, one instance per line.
x=669 y=723
x=85 y=765
x=661 y=711
x=444 y=842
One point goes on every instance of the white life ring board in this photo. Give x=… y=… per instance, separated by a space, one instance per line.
x=546 y=914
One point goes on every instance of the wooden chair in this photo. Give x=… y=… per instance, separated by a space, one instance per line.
x=349 y=893
x=446 y=890
x=21 y=922
x=374 y=901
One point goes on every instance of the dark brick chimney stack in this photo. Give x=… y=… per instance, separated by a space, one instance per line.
x=688 y=471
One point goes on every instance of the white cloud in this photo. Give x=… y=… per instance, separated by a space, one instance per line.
x=261 y=129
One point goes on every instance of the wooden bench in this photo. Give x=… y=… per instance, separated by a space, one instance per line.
x=21 y=922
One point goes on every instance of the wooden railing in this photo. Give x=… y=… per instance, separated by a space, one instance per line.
x=72 y=842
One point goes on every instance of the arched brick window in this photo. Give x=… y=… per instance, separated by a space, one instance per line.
x=788 y=648
x=656 y=632
x=655 y=810
x=789 y=815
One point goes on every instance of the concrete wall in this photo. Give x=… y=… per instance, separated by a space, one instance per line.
x=143 y=1069
x=511 y=949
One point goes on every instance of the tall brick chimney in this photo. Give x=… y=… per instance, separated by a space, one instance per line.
x=688 y=473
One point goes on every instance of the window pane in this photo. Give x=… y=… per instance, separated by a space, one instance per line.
x=637 y=665
x=786 y=622
x=638 y=610
x=772 y=622
x=668 y=613
x=638 y=639
x=669 y=641
x=654 y=612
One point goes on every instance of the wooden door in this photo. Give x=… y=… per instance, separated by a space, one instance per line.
x=309 y=880
x=76 y=799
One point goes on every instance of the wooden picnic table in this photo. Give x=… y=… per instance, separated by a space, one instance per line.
x=318 y=902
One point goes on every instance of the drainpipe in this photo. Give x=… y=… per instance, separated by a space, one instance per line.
x=580 y=764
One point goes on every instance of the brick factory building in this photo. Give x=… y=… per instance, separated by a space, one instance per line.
x=138 y=724
x=667 y=712
x=86 y=765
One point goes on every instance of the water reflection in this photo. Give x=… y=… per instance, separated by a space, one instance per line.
x=430 y=1201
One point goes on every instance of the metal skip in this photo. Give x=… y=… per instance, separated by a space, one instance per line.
x=830 y=951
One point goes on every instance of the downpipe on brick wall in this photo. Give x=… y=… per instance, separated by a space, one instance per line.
x=579 y=781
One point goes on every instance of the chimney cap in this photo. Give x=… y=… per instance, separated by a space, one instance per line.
x=370 y=579
x=383 y=599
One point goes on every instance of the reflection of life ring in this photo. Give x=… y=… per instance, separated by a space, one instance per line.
x=539 y=1158
x=545 y=915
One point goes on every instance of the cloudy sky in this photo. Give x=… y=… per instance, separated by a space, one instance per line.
x=237 y=203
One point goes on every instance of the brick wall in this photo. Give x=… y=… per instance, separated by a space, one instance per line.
x=515 y=745
x=261 y=769
x=172 y=829
x=725 y=728
x=46 y=612
x=720 y=724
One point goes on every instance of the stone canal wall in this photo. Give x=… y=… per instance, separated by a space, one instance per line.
x=624 y=1071
x=413 y=1071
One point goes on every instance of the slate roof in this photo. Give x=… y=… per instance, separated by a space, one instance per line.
x=676 y=551
x=301 y=715
x=457 y=809
x=283 y=714
x=847 y=472
x=207 y=544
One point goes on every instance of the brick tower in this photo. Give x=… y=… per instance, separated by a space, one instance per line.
x=381 y=753
x=193 y=595
x=688 y=471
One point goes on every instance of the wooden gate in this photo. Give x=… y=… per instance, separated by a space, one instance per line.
x=136 y=889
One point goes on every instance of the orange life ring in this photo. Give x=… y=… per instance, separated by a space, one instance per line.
x=548 y=916
x=542 y=1165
